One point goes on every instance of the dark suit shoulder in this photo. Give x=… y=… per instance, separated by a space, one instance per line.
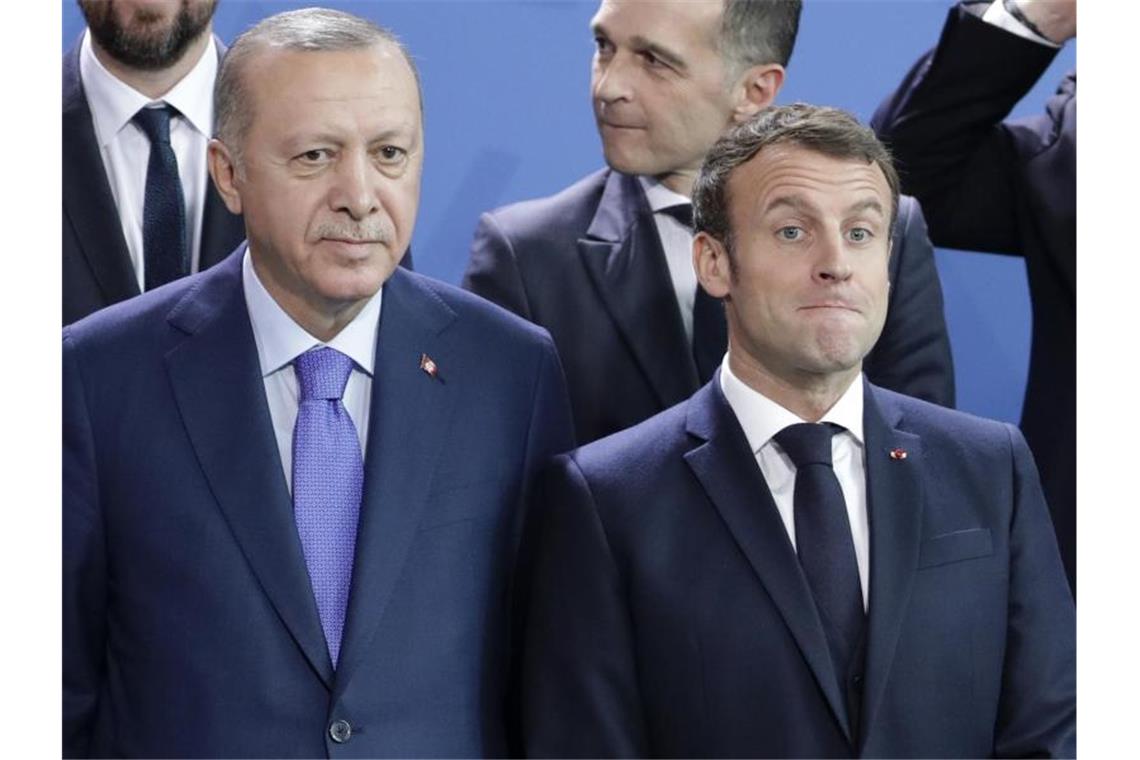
x=481 y=315
x=564 y=216
x=637 y=456
x=944 y=429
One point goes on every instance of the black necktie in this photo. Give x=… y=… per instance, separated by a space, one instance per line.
x=164 y=210
x=710 y=334
x=823 y=539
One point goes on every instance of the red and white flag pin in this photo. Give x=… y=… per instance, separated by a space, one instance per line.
x=898 y=454
x=428 y=365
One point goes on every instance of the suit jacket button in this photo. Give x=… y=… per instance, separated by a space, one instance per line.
x=340 y=731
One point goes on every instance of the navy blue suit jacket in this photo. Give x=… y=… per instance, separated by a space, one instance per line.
x=1004 y=187
x=670 y=617
x=587 y=264
x=189 y=624
x=97 y=269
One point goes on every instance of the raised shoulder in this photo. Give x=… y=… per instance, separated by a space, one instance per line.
x=560 y=218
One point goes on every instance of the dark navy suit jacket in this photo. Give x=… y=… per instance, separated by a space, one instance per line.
x=189 y=624
x=97 y=269
x=670 y=617
x=1004 y=187
x=587 y=264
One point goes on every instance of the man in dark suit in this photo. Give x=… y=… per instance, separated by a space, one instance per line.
x=133 y=56
x=293 y=483
x=604 y=265
x=796 y=562
x=1006 y=187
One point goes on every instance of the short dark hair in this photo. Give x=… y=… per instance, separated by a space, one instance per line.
x=305 y=30
x=830 y=131
x=756 y=32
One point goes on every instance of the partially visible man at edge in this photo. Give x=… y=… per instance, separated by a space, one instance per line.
x=293 y=483
x=605 y=264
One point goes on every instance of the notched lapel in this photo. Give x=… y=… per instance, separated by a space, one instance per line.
x=623 y=255
x=895 y=504
x=87 y=201
x=411 y=414
x=727 y=470
x=219 y=391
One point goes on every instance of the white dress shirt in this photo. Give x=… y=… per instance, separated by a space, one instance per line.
x=761 y=418
x=280 y=340
x=997 y=15
x=677 y=241
x=125 y=148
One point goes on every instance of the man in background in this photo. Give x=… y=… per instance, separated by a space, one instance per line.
x=605 y=264
x=1006 y=187
x=139 y=209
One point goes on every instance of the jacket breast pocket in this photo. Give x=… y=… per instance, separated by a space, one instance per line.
x=955 y=547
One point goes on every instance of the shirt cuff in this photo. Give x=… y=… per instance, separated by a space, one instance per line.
x=997 y=15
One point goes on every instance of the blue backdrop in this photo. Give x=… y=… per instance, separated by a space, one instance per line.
x=506 y=91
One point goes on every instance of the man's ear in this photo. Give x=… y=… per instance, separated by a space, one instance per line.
x=756 y=89
x=224 y=170
x=710 y=260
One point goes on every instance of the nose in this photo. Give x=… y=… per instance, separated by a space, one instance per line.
x=833 y=263
x=353 y=190
x=611 y=79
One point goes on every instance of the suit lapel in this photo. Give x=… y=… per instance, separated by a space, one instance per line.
x=219 y=391
x=727 y=470
x=623 y=255
x=87 y=200
x=410 y=416
x=894 y=505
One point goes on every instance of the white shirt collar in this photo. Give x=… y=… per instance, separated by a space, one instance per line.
x=761 y=418
x=114 y=102
x=280 y=340
x=659 y=196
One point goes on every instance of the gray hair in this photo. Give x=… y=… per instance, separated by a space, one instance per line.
x=826 y=130
x=754 y=32
x=305 y=30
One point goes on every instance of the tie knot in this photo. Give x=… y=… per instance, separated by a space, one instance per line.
x=322 y=373
x=807 y=443
x=155 y=122
x=682 y=212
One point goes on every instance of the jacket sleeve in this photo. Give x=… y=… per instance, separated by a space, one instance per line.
x=912 y=355
x=581 y=695
x=1037 y=710
x=944 y=126
x=84 y=567
x=493 y=271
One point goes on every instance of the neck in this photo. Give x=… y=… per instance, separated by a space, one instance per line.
x=155 y=84
x=807 y=395
x=680 y=182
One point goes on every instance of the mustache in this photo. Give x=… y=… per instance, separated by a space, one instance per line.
x=367 y=232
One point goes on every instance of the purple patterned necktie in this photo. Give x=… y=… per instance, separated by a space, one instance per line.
x=328 y=475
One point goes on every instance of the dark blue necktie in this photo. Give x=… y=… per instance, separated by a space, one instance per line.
x=164 y=209
x=328 y=476
x=710 y=333
x=823 y=539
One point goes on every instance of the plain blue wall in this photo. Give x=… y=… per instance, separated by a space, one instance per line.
x=506 y=90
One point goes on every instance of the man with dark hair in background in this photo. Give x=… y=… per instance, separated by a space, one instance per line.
x=293 y=483
x=137 y=115
x=604 y=265
x=1006 y=187
x=796 y=562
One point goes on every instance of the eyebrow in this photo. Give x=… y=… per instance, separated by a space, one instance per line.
x=641 y=44
x=799 y=204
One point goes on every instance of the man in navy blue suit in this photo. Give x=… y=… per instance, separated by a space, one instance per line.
x=604 y=264
x=796 y=562
x=294 y=483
